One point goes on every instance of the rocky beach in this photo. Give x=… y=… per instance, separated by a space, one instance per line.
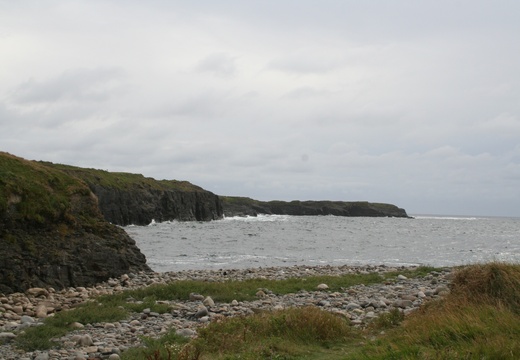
x=360 y=304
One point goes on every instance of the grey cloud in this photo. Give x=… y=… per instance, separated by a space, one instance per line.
x=414 y=103
x=306 y=63
x=219 y=64
x=306 y=92
x=77 y=85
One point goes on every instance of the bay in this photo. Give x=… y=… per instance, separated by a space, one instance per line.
x=279 y=240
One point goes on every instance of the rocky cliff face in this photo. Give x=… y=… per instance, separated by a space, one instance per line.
x=240 y=206
x=52 y=232
x=141 y=206
x=126 y=199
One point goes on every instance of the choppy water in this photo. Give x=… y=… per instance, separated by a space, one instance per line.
x=279 y=240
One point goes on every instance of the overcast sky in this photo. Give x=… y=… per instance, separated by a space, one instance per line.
x=415 y=103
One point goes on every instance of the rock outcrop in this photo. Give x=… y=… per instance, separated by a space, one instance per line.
x=126 y=199
x=52 y=232
x=241 y=206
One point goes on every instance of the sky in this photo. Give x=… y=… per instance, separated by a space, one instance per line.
x=414 y=103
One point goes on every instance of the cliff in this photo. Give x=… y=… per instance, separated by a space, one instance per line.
x=242 y=206
x=52 y=232
x=126 y=198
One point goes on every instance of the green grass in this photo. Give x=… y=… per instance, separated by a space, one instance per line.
x=40 y=337
x=479 y=319
x=116 y=307
x=122 y=180
x=36 y=194
x=285 y=334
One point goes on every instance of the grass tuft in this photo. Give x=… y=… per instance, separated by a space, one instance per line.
x=493 y=282
x=288 y=333
x=479 y=319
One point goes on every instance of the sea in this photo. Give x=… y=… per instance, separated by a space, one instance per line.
x=282 y=240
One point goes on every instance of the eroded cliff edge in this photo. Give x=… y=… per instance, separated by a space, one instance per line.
x=52 y=232
x=126 y=199
x=243 y=206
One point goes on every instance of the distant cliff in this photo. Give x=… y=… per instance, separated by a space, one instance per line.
x=52 y=232
x=242 y=206
x=126 y=198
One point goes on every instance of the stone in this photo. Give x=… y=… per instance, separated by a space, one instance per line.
x=6 y=336
x=41 y=311
x=196 y=297
x=260 y=294
x=27 y=319
x=208 y=301
x=322 y=287
x=37 y=292
x=91 y=349
x=403 y=304
x=114 y=357
x=401 y=277
x=202 y=311
x=42 y=356
x=352 y=306
x=186 y=332
x=85 y=340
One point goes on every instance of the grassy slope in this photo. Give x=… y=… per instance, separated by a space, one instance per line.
x=122 y=180
x=36 y=194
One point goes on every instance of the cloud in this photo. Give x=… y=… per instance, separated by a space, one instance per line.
x=415 y=104
x=219 y=64
x=78 y=85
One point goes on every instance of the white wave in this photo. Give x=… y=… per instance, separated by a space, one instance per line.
x=259 y=217
x=436 y=217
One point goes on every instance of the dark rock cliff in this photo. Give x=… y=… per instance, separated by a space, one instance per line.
x=241 y=206
x=126 y=199
x=141 y=206
x=52 y=232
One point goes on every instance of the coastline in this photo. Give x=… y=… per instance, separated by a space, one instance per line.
x=360 y=304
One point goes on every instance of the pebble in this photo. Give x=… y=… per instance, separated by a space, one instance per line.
x=360 y=303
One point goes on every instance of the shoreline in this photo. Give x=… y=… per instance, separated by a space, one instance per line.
x=360 y=304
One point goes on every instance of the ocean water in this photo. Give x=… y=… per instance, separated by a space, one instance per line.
x=279 y=240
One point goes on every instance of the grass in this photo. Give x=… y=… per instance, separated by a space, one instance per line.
x=37 y=194
x=479 y=319
x=122 y=180
x=235 y=204
x=281 y=334
x=116 y=307
x=40 y=337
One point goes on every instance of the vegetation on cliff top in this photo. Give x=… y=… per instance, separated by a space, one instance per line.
x=37 y=194
x=234 y=205
x=123 y=180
